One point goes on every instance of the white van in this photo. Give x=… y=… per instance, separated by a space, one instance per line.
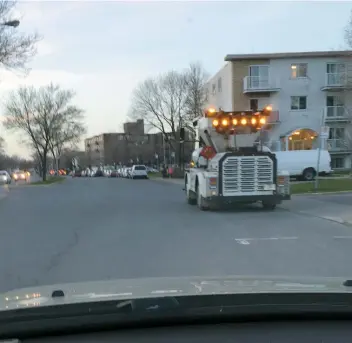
x=303 y=163
x=139 y=172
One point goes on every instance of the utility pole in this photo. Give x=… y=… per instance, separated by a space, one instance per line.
x=323 y=134
x=164 y=152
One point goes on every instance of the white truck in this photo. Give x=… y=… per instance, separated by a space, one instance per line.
x=228 y=167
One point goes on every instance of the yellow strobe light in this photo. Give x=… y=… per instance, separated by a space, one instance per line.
x=244 y=121
x=224 y=122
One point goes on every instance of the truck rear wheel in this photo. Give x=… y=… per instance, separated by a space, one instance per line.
x=191 y=200
x=200 y=201
x=190 y=197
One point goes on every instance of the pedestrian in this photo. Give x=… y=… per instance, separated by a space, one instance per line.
x=170 y=171
x=164 y=171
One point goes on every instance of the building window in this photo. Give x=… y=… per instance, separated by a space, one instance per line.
x=219 y=85
x=253 y=104
x=299 y=70
x=337 y=162
x=335 y=68
x=336 y=133
x=298 y=103
x=213 y=91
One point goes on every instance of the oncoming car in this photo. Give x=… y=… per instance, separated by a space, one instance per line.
x=20 y=175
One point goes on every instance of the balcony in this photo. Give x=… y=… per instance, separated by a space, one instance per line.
x=338 y=145
x=259 y=84
x=335 y=81
x=337 y=114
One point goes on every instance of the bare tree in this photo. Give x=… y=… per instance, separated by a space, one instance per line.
x=2 y=146
x=13 y=162
x=45 y=117
x=348 y=31
x=16 y=48
x=161 y=103
x=67 y=135
x=196 y=77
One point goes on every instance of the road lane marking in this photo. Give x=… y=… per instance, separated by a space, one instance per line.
x=242 y=241
x=246 y=241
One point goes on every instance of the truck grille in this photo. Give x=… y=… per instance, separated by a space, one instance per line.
x=246 y=174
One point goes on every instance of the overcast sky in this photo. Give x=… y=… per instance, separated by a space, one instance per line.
x=102 y=49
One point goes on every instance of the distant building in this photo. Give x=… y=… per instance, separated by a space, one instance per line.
x=135 y=146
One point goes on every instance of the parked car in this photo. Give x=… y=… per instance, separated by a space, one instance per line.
x=99 y=173
x=113 y=173
x=138 y=172
x=5 y=177
x=77 y=173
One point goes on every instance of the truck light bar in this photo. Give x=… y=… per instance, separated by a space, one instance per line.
x=226 y=122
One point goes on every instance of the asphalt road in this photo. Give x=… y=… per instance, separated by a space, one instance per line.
x=100 y=228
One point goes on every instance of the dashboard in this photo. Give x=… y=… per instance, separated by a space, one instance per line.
x=256 y=332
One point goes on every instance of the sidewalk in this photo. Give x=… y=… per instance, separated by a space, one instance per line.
x=316 y=206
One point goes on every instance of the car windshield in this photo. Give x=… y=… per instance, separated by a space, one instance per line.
x=148 y=140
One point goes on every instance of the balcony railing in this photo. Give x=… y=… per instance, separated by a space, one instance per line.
x=259 y=84
x=338 y=144
x=337 y=113
x=335 y=79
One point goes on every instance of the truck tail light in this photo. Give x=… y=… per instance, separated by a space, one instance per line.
x=213 y=181
x=280 y=180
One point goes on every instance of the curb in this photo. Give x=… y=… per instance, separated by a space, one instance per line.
x=41 y=185
x=338 y=220
x=324 y=193
x=179 y=183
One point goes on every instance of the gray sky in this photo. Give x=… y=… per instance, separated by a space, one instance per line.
x=102 y=49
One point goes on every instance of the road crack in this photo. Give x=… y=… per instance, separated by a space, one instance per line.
x=55 y=259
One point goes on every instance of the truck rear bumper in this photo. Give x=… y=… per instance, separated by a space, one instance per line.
x=218 y=200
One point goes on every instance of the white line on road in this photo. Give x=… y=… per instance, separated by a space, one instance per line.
x=246 y=241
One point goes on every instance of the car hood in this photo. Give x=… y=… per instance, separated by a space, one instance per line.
x=165 y=286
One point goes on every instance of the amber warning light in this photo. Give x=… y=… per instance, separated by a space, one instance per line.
x=210 y=112
x=226 y=122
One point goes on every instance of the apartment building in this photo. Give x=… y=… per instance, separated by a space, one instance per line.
x=134 y=146
x=307 y=91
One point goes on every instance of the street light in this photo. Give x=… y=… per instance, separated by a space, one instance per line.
x=13 y=23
